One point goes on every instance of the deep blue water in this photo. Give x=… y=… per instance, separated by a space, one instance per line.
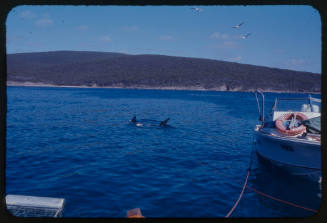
x=78 y=144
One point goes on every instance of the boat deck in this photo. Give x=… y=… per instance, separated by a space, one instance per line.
x=273 y=132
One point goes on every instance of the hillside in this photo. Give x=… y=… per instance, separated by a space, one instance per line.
x=102 y=69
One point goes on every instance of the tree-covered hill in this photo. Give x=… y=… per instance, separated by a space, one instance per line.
x=123 y=70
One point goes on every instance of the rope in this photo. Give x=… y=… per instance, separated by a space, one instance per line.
x=239 y=198
x=245 y=183
x=259 y=192
x=282 y=201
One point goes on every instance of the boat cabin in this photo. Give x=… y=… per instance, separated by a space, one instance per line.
x=309 y=106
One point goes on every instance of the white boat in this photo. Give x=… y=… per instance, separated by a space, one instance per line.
x=290 y=137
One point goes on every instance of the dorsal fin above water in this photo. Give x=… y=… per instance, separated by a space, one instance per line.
x=163 y=123
x=133 y=119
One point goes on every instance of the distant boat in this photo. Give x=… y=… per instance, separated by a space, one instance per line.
x=291 y=136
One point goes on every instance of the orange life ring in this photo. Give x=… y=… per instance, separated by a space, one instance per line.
x=293 y=131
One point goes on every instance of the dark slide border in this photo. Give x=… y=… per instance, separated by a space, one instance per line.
x=7 y=5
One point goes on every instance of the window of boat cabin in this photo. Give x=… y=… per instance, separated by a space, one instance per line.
x=303 y=105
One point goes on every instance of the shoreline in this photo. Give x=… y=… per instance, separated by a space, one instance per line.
x=220 y=89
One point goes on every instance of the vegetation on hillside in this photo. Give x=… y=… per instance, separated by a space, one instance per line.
x=116 y=69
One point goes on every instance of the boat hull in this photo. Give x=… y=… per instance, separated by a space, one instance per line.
x=300 y=157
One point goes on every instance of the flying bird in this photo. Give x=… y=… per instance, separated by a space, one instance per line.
x=245 y=36
x=238 y=26
x=197 y=9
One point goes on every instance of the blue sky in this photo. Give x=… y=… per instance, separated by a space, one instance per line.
x=281 y=36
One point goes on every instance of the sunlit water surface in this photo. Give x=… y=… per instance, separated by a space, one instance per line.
x=78 y=144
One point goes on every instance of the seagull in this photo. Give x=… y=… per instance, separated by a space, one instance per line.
x=238 y=26
x=245 y=36
x=197 y=9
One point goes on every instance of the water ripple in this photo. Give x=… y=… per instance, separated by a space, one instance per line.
x=79 y=144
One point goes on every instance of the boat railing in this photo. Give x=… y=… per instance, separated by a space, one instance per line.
x=261 y=111
x=315 y=99
x=309 y=100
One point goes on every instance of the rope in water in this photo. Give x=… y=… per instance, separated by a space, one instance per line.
x=282 y=201
x=265 y=195
x=261 y=193
x=239 y=198
x=245 y=182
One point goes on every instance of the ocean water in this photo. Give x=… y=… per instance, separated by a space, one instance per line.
x=78 y=144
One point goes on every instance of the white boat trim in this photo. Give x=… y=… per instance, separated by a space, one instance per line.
x=288 y=164
x=292 y=139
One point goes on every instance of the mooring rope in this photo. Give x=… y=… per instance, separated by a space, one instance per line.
x=239 y=198
x=282 y=201
x=245 y=182
x=261 y=193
